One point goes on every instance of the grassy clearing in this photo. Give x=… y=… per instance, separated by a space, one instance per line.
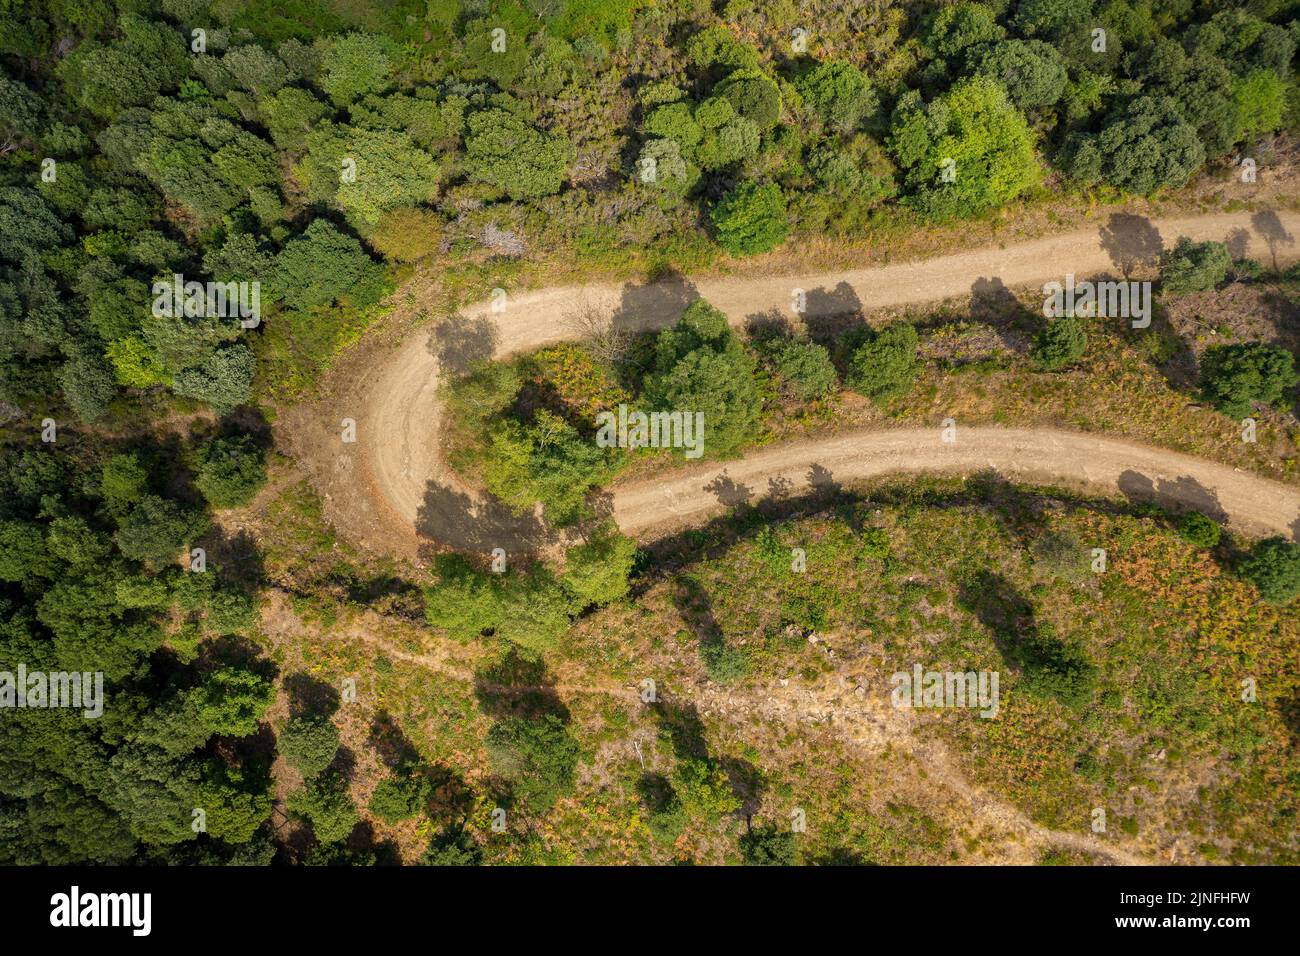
x=768 y=679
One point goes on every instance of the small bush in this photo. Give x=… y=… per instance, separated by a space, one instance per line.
x=1195 y=266
x=399 y=798
x=1201 y=530
x=886 y=365
x=1060 y=344
x=806 y=366
x=229 y=471
x=309 y=744
x=751 y=219
x=1273 y=566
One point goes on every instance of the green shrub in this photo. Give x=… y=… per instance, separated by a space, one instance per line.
x=1234 y=377
x=309 y=744
x=325 y=802
x=1201 y=530
x=538 y=757
x=806 y=367
x=750 y=219
x=229 y=471
x=399 y=798
x=886 y=365
x=1060 y=344
x=767 y=846
x=1195 y=266
x=1273 y=566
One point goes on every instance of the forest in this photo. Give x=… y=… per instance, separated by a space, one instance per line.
x=329 y=150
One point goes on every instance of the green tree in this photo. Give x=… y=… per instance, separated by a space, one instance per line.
x=454 y=846
x=1234 y=377
x=1273 y=566
x=805 y=366
x=703 y=788
x=967 y=152
x=233 y=702
x=1060 y=344
x=1195 y=266
x=325 y=802
x=1144 y=145
x=886 y=365
x=399 y=798
x=309 y=743
x=535 y=613
x=751 y=219
x=538 y=757
x=959 y=27
x=106 y=78
x=324 y=265
x=700 y=366
x=597 y=571
x=753 y=95
x=840 y=94
x=156 y=531
x=1201 y=530
x=1260 y=98
x=1032 y=73
x=765 y=845
x=223 y=380
x=465 y=601
x=546 y=460
x=355 y=64
x=229 y=471
x=508 y=154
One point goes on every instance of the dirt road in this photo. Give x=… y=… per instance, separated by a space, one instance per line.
x=399 y=463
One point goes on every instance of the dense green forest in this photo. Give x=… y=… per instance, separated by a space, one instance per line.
x=320 y=148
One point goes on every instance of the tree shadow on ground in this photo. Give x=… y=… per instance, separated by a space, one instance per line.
x=1003 y=611
x=830 y=314
x=680 y=720
x=748 y=783
x=310 y=696
x=454 y=518
x=459 y=343
x=1270 y=229
x=654 y=305
x=390 y=744
x=1132 y=242
x=237 y=557
x=1178 y=494
x=517 y=686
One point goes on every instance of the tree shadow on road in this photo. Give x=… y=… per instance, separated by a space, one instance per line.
x=1179 y=494
x=1274 y=234
x=454 y=518
x=1132 y=242
x=459 y=343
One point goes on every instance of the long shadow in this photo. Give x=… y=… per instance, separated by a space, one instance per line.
x=459 y=343
x=390 y=743
x=654 y=305
x=680 y=720
x=830 y=314
x=1132 y=242
x=453 y=518
x=1238 y=243
x=1271 y=230
x=310 y=696
x=1004 y=612
x=1178 y=494
x=515 y=686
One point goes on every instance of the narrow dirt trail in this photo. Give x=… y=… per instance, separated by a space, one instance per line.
x=400 y=472
x=837 y=702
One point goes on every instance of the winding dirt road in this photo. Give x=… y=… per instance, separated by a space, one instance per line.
x=400 y=459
